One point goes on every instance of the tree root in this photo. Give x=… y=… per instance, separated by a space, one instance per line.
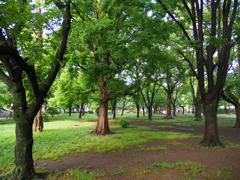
x=211 y=142
x=168 y=117
x=17 y=174
x=198 y=119
x=237 y=125
x=103 y=133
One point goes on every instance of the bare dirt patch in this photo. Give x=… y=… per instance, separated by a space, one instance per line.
x=137 y=163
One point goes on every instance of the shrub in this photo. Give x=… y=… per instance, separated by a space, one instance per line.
x=44 y=117
x=90 y=111
x=123 y=123
x=52 y=111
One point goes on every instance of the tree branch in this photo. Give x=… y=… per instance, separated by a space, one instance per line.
x=13 y=53
x=174 y=19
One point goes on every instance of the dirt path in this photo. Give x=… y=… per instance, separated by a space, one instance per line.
x=135 y=163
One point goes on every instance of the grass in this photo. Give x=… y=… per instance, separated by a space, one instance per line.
x=122 y=170
x=61 y=137
x=192 y=170
x=64 y=134
x=75 y=174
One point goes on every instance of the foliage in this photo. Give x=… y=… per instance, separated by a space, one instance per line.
x=123 y=123
x=45 y=117
x=53 y=111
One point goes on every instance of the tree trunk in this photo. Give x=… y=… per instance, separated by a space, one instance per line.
x=81 y=111
x=138 y=109
x=149 y=112
x=70 y=111
x=211 y=138
x=183 y=111
x=38 y=122
x=23 y=160
x=114 y=110
x=123 y=107
x=225 y=110
x=237 y=109
x=122 y=111
x=174 y=109
x=169 y=101
x=198 y=109
x=102 y=127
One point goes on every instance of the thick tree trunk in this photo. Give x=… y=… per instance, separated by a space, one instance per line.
x=102 y=127
x=169 y=101
x=237 y=109
x=23 y=160
x=198 y=109
x=150 y=113
x=211 y=138
x=38 y=122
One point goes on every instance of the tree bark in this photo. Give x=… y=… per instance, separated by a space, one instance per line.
x=169 y=101
x=237 y=109
x=81 y=111
x=38 y=122
x=211 y=138
x=198 y=109
x=23 y=160
x=114 y=109
x=228 y=96
x=138 y=109
x=102 y=127
x=70 y=111
x=143 y=111
x=174 y=107
x=149 y=112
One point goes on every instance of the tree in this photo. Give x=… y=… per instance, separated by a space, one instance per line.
x=111 y=33
x=231 y=93
x=174 y=100
x=148 y=95
x=173 y=75
x=14 y=31
x=212 y=26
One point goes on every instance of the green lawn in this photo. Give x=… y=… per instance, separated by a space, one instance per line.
x=65 y=134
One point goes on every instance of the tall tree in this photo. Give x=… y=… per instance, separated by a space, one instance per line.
x=111 y=33
x=148 y=95
x=14 y=31
x=173 y=76
x=212 y=26
x=231 y=92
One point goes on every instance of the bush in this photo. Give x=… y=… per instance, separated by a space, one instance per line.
x=52 y=111
x=90 y=111
x=44 y=117
x=123 y=123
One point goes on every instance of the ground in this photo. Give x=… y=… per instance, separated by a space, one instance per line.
x=132 y=163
